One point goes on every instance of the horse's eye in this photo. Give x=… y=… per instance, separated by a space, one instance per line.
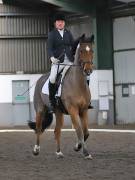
x=81 y=51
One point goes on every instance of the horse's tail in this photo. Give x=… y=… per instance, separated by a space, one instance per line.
x=47 y=119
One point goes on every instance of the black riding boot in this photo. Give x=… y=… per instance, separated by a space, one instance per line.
x=89 y=106
x=52 y=102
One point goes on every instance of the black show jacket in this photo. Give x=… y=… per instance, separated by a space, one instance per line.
x=58 y=46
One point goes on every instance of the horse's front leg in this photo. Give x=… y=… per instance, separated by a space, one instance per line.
x=57 y=132
x=80 y=135
x=84 y=122
x=36 y=148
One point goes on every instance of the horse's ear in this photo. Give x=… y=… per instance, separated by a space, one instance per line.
x=82 y=37
x=92 y=38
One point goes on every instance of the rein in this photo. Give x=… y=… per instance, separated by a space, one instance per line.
x=84 y=62
x=74 y=65
x=61 y=64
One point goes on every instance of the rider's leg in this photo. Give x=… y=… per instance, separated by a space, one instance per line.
x=51 y=97
x=52 y=79
x=52 y=86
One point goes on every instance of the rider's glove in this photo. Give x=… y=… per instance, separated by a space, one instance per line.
x=54 y=60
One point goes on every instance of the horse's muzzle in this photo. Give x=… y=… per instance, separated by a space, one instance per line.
x=87 y=72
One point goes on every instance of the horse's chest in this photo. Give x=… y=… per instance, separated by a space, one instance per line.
x=81 y=100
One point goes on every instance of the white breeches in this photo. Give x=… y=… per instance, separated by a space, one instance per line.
x=57 y=68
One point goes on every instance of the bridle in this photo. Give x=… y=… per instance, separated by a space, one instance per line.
x=86 y=62
x=82 y=66
x=83 y=62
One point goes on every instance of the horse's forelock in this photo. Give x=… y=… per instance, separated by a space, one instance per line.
x=86 y=40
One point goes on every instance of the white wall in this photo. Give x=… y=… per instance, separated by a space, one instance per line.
x=7 y=115
x=96 y=77
x=124 y=33
x=6 y=85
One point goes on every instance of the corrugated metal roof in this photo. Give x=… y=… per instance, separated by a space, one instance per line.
x=30 y=3
x=65 y=5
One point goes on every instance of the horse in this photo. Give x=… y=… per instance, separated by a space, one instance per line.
x=75 y=96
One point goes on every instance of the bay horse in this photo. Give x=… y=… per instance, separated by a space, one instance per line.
x=75 y=97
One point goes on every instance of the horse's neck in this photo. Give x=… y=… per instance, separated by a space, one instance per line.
x=76 y=71
x=76 y=60
x=75 y=75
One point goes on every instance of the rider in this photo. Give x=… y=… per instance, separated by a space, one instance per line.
x=60 y=47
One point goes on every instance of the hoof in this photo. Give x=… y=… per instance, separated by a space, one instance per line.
x=77 y=147
x=36 y=150
x=35 y=153
x=88 y=157
x=59 y=154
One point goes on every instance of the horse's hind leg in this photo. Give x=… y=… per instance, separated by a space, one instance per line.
x=57 y=132
x=36 y=149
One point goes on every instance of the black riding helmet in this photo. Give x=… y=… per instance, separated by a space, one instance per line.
x=59 y=16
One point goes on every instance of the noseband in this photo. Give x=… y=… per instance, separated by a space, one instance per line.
x=82 y=66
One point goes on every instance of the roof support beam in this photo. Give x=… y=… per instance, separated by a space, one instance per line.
x=74 y=6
